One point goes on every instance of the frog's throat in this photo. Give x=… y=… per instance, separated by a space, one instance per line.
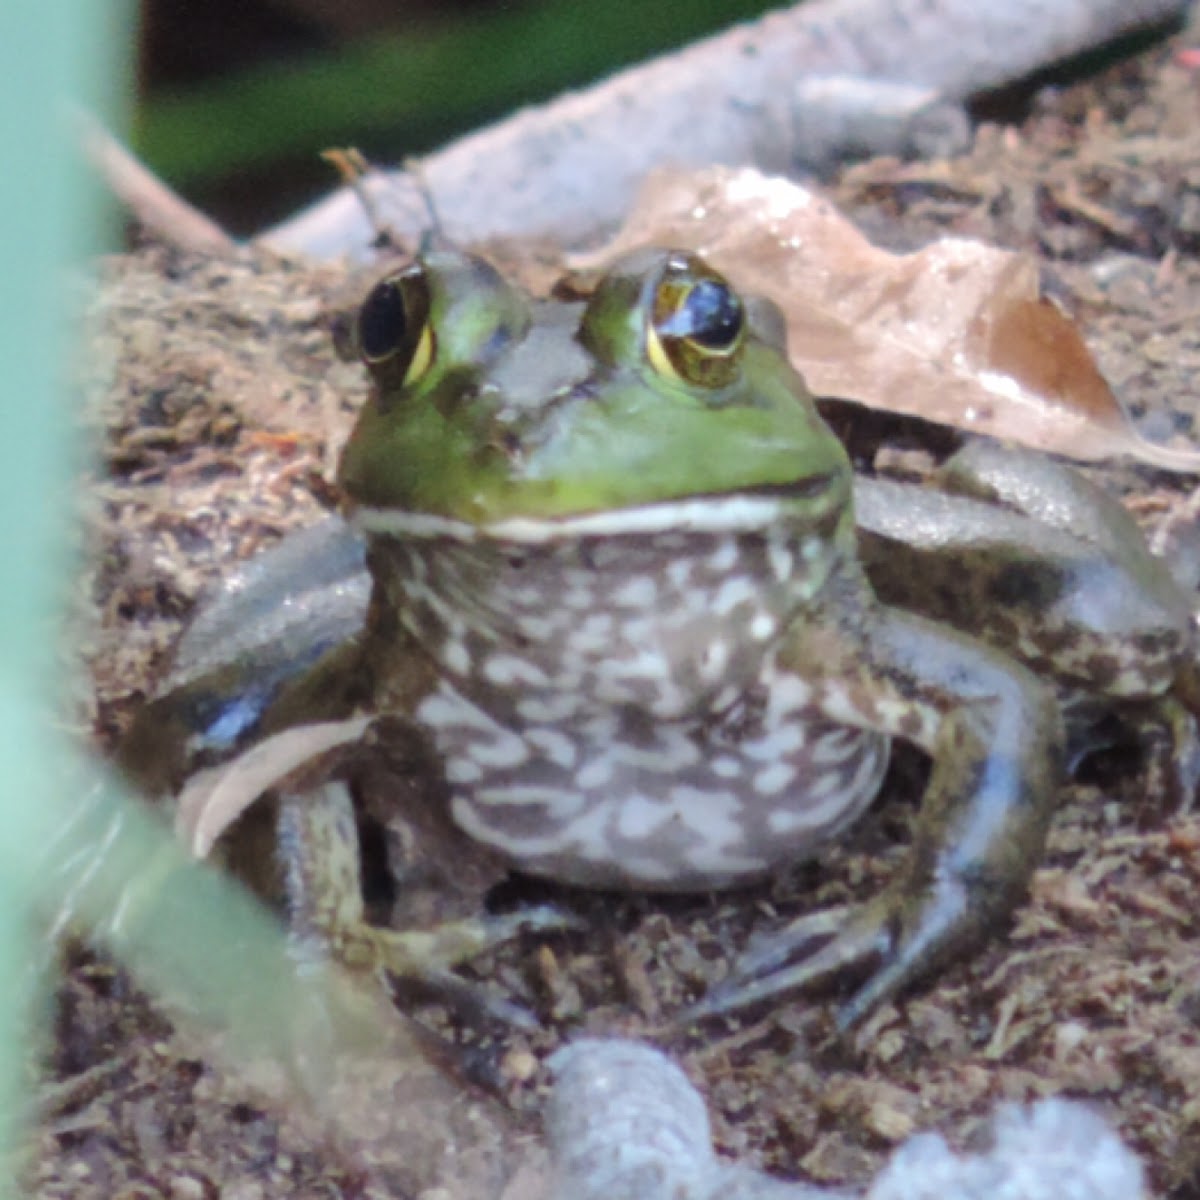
x=696 y=514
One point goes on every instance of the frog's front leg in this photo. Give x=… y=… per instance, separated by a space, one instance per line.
x=995 y=737
x=321 y=855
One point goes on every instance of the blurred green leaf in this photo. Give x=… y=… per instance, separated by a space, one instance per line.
x=418 y=89
x=75 y=852
x=55 y=52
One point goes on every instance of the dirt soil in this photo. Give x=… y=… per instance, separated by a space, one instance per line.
x=218 y=434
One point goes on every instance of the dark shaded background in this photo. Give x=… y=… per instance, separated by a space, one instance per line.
x=239 y=97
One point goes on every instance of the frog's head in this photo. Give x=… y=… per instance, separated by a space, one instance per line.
x=666 y=401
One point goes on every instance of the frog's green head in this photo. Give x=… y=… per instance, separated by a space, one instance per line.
x=494 y=412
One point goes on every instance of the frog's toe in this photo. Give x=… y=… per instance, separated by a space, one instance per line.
x=813 y=950
x=426 y=958
x=474 y=1003
x=893 y=943
x=419 y=953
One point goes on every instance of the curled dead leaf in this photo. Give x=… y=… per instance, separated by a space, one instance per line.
x=957 y=332
x=213 y=799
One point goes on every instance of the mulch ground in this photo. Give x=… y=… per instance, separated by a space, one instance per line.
x=218 y=434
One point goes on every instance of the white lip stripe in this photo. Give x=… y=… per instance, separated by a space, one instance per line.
x=417 y=525
x=699 y=514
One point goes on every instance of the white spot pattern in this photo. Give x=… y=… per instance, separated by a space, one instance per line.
x=505 y=670
x=639 y=592
x=610 y=711
x=770 y=781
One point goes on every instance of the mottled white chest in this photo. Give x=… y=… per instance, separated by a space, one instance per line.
x=612 y=799
x=609 y=711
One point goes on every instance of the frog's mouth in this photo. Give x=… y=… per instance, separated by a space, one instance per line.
x=815 y=502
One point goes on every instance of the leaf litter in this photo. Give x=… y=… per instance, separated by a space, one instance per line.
x=957 y=332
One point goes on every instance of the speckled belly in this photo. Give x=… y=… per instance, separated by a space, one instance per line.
x=609 y=710
x=614 y=800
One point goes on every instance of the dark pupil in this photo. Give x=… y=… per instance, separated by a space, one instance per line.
x=381 y=321
x=710 y=314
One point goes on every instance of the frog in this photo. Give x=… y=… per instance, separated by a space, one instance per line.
x=604 y=563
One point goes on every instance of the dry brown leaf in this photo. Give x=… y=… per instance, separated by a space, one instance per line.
x=956 y=333
x=214 y=798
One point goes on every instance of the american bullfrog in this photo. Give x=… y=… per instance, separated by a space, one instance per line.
x=618 y=595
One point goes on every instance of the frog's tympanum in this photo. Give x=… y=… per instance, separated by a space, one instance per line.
x=619 y=595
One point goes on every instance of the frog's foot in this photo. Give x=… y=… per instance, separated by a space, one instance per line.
x=895 y=940
x=426 y=958
x=319 y=845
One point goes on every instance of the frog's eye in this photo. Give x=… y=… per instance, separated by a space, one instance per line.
x=393 y=326
x=696 y=326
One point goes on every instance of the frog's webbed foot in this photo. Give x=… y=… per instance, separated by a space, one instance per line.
x=319 y=845
x=895 y=940
x=426 y=958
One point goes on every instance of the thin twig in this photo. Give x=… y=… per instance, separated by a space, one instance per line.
x=154 y=204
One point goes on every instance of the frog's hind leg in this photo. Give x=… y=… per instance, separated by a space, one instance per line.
x=1053 y=494
x=1029 y=555
x=1154 y=643
x=321 y=856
